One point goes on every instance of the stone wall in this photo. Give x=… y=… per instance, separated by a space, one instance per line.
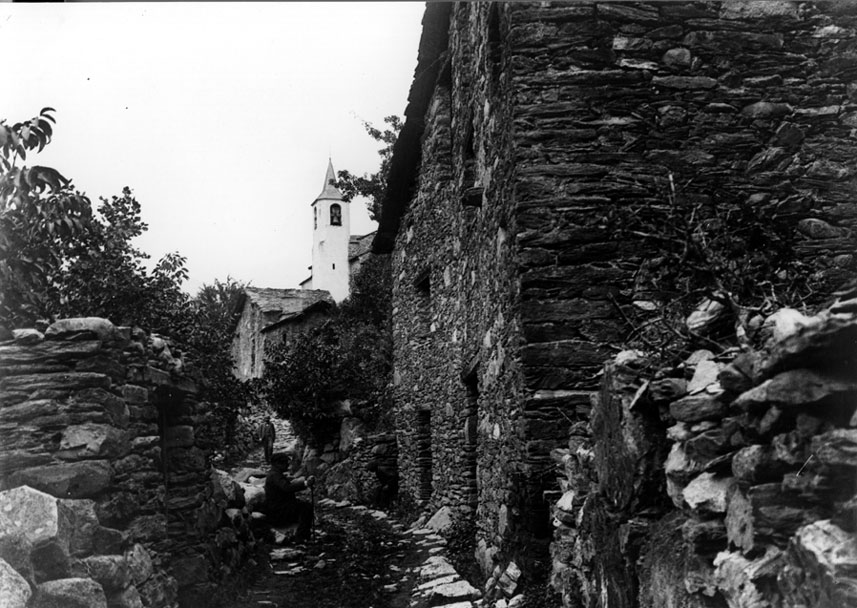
x=540 y=125
x=455 y=329
x=729 y=480
x=739 y=103
x=107 y=416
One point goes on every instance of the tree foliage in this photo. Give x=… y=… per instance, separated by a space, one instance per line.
x=61 y=258
x=349 y=356
x=372 y=186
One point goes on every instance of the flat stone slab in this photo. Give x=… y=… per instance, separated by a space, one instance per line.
x=435 y=567
x=14 y=589
x=285 y=553
x=459 y=590
x=443 y=580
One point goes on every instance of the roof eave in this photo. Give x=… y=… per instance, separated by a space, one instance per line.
x=405 y=162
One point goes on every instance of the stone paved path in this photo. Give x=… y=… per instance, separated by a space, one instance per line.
x=359 y=558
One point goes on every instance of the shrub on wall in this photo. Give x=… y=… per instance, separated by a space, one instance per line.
x=347 y=357
x=729 y=257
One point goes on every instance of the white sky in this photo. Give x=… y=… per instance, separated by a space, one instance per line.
x=220 y=116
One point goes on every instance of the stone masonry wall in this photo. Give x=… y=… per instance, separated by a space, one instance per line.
x=739 y=103
x=548 y=121
x=458 y=382
x=107 y=416
x=729 y=480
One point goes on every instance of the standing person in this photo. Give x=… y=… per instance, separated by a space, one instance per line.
x=267 y=434
x=281 y=505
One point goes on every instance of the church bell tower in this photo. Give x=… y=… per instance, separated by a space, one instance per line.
x=330 y=236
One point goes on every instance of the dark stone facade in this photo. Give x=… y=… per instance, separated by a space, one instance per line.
x=528 y=127
x=110 y=417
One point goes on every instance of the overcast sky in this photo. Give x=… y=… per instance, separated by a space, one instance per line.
x=219 y=116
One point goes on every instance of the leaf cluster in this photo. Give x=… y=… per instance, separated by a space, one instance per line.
x=372 y=185
x=349 y=356
x=61 y=258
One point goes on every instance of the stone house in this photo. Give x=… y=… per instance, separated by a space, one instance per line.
x=267 y=317
x=270 y=314
x=527 y=126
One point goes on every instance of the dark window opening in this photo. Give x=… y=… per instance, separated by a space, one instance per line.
x=335 y=215
x=469 y=158
x=424 y=459
x=471 y=437
x=315 y=218
x=334 y=266
x=422 y=285
x=495 y=43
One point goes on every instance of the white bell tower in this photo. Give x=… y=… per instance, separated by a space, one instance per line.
x=331 y=233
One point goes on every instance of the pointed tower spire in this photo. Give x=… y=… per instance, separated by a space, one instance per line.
x=329 y=191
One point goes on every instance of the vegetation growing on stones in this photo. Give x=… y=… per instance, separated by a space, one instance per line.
x=347 y=357
x=372 y=186
x=731 y=259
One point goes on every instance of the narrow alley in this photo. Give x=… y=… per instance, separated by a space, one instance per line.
x=357 y=557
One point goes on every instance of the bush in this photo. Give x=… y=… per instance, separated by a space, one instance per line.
x=349 y=356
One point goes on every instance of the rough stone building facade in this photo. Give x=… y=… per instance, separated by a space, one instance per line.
x=267 y=317
x=528 y=127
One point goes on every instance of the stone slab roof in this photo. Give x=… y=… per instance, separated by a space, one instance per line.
x=360 y=245
x=285 y=301
x=405 y=162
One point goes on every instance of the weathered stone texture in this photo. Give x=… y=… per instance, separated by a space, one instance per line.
x=762 y=491
x=538 y=125
x=100 y=449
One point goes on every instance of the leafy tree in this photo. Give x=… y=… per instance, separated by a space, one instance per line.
x=44 y=222
x=347 y=357
x=214 y=311
x=372 y=186
x=58 y=258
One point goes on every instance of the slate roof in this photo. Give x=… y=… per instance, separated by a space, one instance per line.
x=405 y=164
x=360 y=245
x=285 y=301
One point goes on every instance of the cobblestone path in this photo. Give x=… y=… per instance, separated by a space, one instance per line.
x=357 y=558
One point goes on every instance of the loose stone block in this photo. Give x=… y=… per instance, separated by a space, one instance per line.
x=14 y=589
x=110 y=571
x=35 y=515
x=707 y=493
x=81 y=328
x=139 y=564
x=92 y=440
x=695 y=408
x=70 y=480
x=70 y=593
x=821 y=562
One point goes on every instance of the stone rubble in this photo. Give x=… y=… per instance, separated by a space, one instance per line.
x=760 y=503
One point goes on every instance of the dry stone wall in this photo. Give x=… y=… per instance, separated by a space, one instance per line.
x=100 y=423
x=730 y=480
x=741 y=104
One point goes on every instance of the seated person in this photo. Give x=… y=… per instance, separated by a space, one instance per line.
x=281 y=505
